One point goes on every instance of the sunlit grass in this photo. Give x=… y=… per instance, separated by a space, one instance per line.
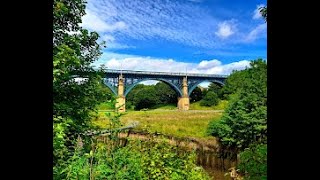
x=169 y=122
x=105 y=106
x=193 y=106
x=221 y=106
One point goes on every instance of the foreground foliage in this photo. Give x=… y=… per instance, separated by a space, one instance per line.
x=118 y=159
x=210 y=99
x=245 y=119
x=137 y=160
x=253 y=162
x=243 y=126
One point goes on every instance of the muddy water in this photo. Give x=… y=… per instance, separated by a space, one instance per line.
x=207 y=153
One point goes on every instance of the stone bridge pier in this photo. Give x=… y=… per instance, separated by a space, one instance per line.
x=121 y=99
x=184 y=101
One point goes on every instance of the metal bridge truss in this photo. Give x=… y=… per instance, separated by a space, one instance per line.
x=132 y=78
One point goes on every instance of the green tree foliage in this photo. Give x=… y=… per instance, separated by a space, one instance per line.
x=146 y=98
x=196 y=95
x=143 y=96
x=233 y=83
x=165 y=93
x=253 y=162
x=74 y=50
x=132 y=95
x=217 y=89
x=245 y=119
x=210 y=99
x=263 y=11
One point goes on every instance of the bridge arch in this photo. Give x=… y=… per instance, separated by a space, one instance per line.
x=220 y=83
x=129 y=88
x=111 y=87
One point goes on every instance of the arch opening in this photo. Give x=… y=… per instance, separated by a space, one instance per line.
x=155 y=81
x=205 y=84
x=153 y=94
x=113 y=90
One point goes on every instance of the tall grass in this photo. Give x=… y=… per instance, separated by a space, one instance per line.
x=175 y=123
x=220 y=106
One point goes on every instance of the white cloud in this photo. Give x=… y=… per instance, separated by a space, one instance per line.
x=107 y=38
x=177 y=21
x=112 y=44
x=169 y=65
x=256 y=12
x=93 y=22
x=226 y=29
x=208 y=64
x=257 y=32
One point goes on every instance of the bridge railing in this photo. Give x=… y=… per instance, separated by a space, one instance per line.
x=164 y=73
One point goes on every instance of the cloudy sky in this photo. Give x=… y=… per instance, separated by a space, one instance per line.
x=198 y=36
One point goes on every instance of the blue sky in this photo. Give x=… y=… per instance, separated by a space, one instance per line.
x=198 y=36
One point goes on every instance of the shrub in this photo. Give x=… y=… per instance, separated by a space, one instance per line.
x=253 y=162
x=210 y=99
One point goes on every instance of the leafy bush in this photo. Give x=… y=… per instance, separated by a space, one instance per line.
x=149 y=159
x=145 y=98
x=253 y=162
x=163 y=161
x=245 y=119
x=137 y=160
x=210 y=99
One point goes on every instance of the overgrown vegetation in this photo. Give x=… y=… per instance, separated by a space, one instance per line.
x=244 y=122
x=210 y=99
x=245 y=119
x=220 y=106
x=113 y=159
x=74 y=49
x=253 y=162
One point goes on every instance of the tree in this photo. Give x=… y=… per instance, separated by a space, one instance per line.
x=196 y=95
x=263 y=11
x=233 y=83
x=73 y=54
x=210 y=99
x=74 y=50
x=245 y=120
x=131 y=95
x=145 y=98
x=217 y=89
x=165 y=93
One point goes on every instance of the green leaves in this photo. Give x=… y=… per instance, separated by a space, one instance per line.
x=74 y=49
x=210 y=99
x=245 y=119
x=263 y=11
x=138 y=160
x=253 y=162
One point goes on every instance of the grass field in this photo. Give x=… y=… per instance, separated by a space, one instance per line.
x=221 y=106
x=191 y=123
x=193 y=106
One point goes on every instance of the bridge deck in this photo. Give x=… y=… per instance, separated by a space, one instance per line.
x=124 y=72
